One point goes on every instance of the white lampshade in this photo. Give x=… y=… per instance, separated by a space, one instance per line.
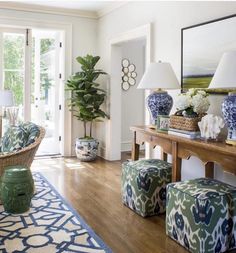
x=6 y=98
x=159 y=75
x=225 y=75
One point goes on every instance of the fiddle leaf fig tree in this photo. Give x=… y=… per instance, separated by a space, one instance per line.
x=87 y=98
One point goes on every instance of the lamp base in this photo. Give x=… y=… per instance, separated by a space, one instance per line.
x=228 y=111
x=231 y=142
x=159 y=103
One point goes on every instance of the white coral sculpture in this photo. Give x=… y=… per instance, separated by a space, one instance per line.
x=210 y=126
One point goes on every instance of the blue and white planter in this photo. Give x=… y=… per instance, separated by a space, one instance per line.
x=86 y=149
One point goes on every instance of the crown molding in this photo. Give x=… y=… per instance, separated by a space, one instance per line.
x=112 y=7
x=47 y=9
x=61 y=11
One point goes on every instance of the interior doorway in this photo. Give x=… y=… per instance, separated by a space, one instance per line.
x=31 y=65
x=114 y=127
x=132 y=99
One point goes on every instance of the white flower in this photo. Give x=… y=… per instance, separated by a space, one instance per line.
x=183 y=102
x=191 y=92
x=195 y=99
x=202 y=92
x=200 y=103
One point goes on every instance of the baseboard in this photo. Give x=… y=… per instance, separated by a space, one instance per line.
x=126 y=146
x=102 y=151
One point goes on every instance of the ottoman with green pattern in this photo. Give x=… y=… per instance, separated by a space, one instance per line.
x=201 y=215
x=144 y=185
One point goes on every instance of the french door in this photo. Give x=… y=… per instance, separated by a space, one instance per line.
x=30 y=67
x=12 y=64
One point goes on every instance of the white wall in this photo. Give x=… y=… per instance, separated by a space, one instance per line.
x=84 y=41
x=167 y=19
x=132 y=104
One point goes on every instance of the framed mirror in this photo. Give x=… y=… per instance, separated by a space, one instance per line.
x=132 y=81
x=134 y=74
x=202 y=46
x=125 y=63
x=125 y=70
x=125 y=78
x=131 y=68
x=125 y=86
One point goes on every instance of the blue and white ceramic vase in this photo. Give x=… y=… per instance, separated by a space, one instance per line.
x=229 y=113
x=86 y=149
x=159 y=103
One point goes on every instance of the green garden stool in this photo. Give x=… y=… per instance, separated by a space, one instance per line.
x=201 y=215
x=144 y=185
x=17 y=189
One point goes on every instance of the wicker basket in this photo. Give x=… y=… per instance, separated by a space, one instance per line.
x=184 y=123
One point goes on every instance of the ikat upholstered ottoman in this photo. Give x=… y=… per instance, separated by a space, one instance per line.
x=201 y=215
x=144 y=185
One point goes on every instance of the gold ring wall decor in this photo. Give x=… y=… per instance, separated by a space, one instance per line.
x=128 y=74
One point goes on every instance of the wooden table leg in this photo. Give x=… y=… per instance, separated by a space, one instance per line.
x=135 y=149
x=209 y=170
x=163 y=155
x=176 y=163
x=0 y=124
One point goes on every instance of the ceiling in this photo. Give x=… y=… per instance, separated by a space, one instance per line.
x=95 y=6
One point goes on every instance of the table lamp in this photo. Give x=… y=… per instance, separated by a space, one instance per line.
x=160 y=77
x=6 y=100
x=225 y=77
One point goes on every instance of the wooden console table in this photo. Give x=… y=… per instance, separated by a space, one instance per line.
x=183 y=148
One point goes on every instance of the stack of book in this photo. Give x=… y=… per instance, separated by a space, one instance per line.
x=183 y=133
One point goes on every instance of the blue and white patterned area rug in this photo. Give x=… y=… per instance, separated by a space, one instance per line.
x=50 y=226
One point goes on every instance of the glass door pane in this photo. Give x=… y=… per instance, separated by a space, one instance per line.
x=45 y=88
x=14 y=67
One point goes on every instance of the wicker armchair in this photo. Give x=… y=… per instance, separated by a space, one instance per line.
x=24 y=156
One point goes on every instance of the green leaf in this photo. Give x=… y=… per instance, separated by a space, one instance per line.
x=87 y=97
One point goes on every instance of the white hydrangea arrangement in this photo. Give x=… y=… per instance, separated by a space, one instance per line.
x=193 y=103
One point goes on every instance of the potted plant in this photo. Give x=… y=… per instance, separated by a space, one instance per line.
x=85 y=102
x=191 y=107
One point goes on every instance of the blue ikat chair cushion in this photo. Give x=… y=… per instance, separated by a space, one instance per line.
x=33 y=132
x=18 y=137
x=15 y=138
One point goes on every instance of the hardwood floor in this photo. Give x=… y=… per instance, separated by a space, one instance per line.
x=93 y=189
